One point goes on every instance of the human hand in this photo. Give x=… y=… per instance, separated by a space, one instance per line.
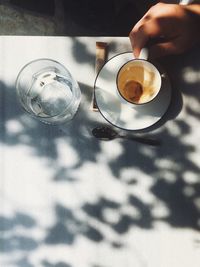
x=169 y=28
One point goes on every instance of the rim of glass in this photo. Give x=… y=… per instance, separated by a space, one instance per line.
x=73 y=96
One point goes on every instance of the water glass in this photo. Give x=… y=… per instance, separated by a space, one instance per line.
x=47 y=91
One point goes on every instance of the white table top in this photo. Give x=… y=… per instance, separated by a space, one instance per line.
x=69 y=200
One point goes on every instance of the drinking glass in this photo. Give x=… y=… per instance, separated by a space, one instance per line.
x=47 y=91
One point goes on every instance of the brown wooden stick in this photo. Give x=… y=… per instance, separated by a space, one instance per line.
x=101 y=58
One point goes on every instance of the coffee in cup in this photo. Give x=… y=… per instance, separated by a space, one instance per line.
x=138 y=81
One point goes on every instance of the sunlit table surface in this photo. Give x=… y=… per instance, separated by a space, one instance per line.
x=69 y=200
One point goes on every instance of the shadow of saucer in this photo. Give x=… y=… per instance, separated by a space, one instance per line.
x=175 y=107
x=172 y=112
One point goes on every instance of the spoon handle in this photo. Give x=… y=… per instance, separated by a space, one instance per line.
x=143 y=140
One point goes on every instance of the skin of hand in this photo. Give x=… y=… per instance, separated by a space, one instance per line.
x=167 y=29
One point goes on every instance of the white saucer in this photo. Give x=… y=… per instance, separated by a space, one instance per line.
x=121 y=114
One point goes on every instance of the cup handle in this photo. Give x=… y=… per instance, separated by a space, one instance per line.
x=144 y=53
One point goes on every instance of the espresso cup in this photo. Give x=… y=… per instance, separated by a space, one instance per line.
x=138 y=80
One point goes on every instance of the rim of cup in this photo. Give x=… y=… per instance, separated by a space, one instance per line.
x=155 y=71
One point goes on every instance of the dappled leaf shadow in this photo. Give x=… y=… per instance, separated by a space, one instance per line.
x=125 y=221
x=180 y=199
x=20 y=219
x=24 y=262
x=96 y=210
x=68 y=227
x=46 y=263
x=81 y=53
x=16 y=241
x=33 y=133
x=164 y=172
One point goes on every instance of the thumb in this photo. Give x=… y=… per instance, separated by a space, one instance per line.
x=138 y=39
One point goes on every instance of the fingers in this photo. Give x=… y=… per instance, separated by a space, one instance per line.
x=155 y=25
x=142 y=32
x=138 y=40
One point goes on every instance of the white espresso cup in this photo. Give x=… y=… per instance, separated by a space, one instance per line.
x=138 y=80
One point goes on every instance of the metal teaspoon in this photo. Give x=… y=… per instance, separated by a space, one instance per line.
x=106 y=133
